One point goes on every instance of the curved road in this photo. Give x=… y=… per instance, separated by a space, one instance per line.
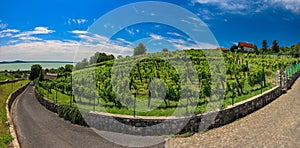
x=38 y=127
x=275 y=125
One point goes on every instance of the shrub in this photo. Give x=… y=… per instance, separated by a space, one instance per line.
x=71 y=114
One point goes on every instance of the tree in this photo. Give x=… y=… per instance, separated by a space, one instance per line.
x=165 y=50
x=256 y=49
x=119 y=56
x=295 y=50
x=140 y=49
x=83 y=64
x=101 y=57
x=233 y=48
x=275 y=47
x=36 y=72
x=264 y=45
x=68 y=68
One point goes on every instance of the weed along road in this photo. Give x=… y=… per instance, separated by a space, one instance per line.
x=38 y=127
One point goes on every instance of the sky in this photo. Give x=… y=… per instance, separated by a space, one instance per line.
x=72 y=30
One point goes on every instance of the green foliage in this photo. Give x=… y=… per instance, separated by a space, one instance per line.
x=140 y=49
x=255 y=77
x=17 y=75
x=233 y=48
x=72 y=114
x=100 y=57
x=275 y=47
x=81 y=65
x=165 y=50
x=6 y=76
x=265 y=46
x=36 y=72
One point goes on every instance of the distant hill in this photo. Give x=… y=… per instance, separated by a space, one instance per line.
x=19 y=61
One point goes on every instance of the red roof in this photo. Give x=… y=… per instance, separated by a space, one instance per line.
x=223 y=49
x=51 y=74
x=244 y=44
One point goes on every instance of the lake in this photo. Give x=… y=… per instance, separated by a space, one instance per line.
x=27 y=66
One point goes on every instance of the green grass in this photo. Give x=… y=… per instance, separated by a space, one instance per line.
x=5 y=91
x=6 y=76
x=228 y=100
x=63 y=99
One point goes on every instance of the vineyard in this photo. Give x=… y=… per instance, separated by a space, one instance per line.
x=167 y=83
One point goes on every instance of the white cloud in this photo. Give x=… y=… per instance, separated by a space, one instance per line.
x=291 y=5
x=30 y=38
x=3 y=25
x=7 y=33
x=79 y=32
x=12 y=41
x=245 y=7
x=60 y=50
x=10 y=30
x=93 y=38
x=124 y=41
x=4 y=35
x=174 y=34
x=37 y=30
x=41 y=30
x=27 y=36
x=77 y=21
x=188 y=44
x=130 y=31
x=156 y=37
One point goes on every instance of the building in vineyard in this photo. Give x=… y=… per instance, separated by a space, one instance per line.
x=223 y=49
x=245 y=47
x=50 y=76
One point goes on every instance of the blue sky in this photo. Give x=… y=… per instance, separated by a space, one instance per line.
x=54 y=30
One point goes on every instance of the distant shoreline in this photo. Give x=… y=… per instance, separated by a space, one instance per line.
x=13 y=62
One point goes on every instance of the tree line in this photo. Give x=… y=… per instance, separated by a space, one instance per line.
x=293 y=50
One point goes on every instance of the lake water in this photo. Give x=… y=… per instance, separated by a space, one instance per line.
x=27 y=66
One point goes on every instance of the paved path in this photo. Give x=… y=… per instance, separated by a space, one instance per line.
x=38 y=127
x=276 y=125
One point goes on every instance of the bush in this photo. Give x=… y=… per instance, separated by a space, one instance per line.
x=254 y=77
x=71 y=114
x=17 y=75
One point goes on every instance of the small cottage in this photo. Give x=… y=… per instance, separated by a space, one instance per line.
x=246 y=47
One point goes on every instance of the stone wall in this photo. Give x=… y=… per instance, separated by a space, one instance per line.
x=10 y=81
x=14 y=95
x=292 y=80
x=172 y=125
x=50 y=105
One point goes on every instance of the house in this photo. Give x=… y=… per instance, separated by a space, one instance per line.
x=246 y=47
x=223 y=49
x=50 y=76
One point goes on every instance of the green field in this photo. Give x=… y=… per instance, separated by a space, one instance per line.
x=101 y=87
x=5 y=91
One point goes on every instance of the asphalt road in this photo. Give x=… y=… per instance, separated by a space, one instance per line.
x=38 y=127
x=275 y=125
